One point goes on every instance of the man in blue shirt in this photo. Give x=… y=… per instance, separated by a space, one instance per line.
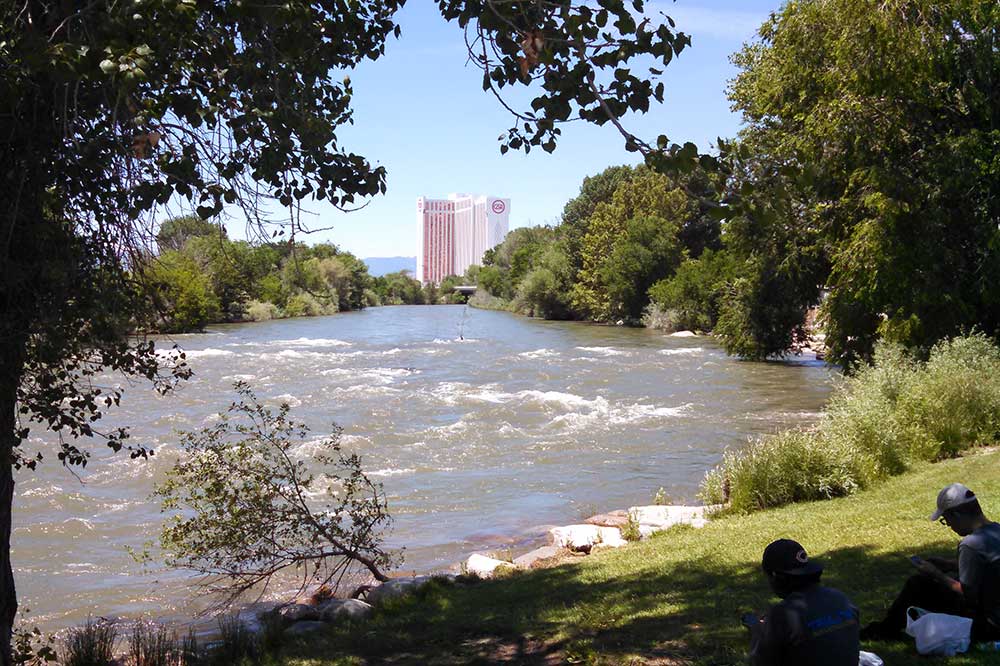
x=811 y=624
x=968 y=586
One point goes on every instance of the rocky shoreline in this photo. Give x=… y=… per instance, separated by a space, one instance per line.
x=603 y=531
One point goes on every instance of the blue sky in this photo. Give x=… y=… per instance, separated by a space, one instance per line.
x=420 y=111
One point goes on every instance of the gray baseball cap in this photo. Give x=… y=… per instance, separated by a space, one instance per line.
x=952 y=495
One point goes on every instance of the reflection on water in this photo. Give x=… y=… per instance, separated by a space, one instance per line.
x=479 y=441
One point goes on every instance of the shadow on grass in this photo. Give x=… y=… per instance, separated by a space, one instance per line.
x=681 y=612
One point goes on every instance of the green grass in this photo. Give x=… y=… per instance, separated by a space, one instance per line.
x=676 y=598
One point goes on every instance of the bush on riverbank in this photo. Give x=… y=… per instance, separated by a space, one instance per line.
x=889 y=415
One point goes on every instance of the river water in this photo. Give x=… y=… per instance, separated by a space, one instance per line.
x=484 y=427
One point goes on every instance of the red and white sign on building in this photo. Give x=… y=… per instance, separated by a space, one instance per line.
x=454 y=233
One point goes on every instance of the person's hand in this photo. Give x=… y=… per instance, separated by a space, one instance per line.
x=943 y=563
x=925 y=567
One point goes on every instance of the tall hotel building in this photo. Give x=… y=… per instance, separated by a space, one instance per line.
x=454 y=233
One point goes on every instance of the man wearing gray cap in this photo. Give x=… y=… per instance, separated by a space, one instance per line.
x=975 y=592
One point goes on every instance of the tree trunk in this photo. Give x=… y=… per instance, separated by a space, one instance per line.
x=9 y=372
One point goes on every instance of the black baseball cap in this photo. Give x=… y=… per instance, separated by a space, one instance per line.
x=788 y=557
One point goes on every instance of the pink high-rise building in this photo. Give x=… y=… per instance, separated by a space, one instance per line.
x=454 y=233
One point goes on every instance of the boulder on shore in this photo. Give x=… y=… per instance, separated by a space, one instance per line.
x=304 y=627
x=528 y=559
x=657 y=517
x=583 y=537
x=483 y=566
x=397 y=587
x=617 y=518
x=354 y=610
x=293 y=613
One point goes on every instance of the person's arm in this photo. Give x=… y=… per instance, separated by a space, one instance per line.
x=766 y=640
x=971 y=568
x=928 y=569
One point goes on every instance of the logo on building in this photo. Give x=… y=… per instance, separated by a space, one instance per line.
x=499 y=206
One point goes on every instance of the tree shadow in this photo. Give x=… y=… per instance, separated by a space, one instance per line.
x=680 y=614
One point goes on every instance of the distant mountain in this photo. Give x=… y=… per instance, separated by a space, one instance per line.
x=378 y=266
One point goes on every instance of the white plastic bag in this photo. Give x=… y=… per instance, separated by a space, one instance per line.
x=869 y=659
x=938 y=633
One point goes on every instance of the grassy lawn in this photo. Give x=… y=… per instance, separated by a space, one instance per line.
x=676 y=598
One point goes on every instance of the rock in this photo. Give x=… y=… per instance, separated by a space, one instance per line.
x=484 y=567
x=656 y=518
x=610 y=519
x=395 y=587
x=528 y=559
x=293 y=613
x=304 y=627
x=683 y=334
x=354 y=610
x=583 y=537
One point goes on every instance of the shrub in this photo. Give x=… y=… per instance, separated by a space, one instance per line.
x=152 y=645
x=693 y=293
x=249 y=459
x=889 y=415
x=30 y=647
x=661 y=498
x=261 y=311
x=93 y=644
x=955 y=399
x=659 y=318
x=791 y=466
x=306 y=305
x=236 y=643
x=630 y=530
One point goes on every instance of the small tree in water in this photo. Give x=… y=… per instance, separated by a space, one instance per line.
x=250 y=507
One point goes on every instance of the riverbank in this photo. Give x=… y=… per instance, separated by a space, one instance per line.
x=672 y=599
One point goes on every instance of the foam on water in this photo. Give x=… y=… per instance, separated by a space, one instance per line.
x=203 y=353
x=452 y=341
x=379 y=375
x=389 y=471
x=286 y=398
x=297 y=342
x=539 y=353
x=685 y=351
x=605 y=351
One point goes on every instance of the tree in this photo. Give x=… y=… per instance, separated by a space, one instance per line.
x=175 y=232
x=247 y=507
x=544 y=291
x=184 y=292
x=647 y=252
x=576 y=213
x=879 y=119
x=646 y=195
x=693 y=296
x=112 y=110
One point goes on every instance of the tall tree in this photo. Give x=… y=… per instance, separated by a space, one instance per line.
x=109 y=110
x=882 y=119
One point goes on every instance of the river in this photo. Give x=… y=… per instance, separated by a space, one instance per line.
x=484 y=427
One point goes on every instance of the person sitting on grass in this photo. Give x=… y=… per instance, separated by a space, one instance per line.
x=975 y=593
x=811 y=624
